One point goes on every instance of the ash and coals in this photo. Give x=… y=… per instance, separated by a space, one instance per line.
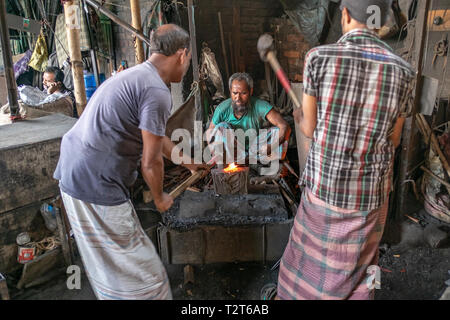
x=206 y=208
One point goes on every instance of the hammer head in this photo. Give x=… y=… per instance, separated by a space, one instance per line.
x=265 y=44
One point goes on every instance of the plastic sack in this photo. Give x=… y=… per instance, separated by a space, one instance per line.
x=34 y=97
x=308 y=16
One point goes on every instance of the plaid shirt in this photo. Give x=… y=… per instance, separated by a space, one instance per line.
x=362 y=88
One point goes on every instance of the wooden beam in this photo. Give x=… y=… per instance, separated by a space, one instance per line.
x=188 y=274
x=8 y=63
x=444 y=14
x=409 y=131
x=73 y=27
x=136 y=23
x=195 y=69
x=23 y=24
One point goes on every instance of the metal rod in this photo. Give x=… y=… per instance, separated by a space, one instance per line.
x=423 y=9
x=91 y=44
x=8 y=62
x=196 y=75
x=119 y=21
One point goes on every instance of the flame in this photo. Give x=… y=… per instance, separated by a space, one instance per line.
x=231 y=168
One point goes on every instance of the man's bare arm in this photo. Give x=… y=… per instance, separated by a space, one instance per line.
x=152 y=167
x=275 y=118
x=306 y=116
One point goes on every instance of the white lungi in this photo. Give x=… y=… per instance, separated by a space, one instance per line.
x=120 y=260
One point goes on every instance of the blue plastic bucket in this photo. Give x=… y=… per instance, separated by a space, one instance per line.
x=89 y=80
x=89 y=83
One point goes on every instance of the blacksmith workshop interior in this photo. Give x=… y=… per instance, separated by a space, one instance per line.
x=225 y=235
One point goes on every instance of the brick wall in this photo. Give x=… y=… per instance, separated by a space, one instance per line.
x=291 y=47
x=256 y=17
x=123 y=40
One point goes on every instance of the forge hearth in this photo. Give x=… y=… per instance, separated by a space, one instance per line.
x=203 y=227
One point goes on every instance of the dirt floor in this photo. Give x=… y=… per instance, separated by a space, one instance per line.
x=418 y=274
x=407 y=274
x=414 y=274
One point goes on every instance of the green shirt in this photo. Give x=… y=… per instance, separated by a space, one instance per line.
x=253 y=119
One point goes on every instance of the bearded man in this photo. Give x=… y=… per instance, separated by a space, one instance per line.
x=242 y=111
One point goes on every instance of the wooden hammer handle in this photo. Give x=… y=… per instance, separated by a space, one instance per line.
x=272 y=59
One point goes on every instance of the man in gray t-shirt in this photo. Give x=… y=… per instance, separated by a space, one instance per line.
x=124 y=123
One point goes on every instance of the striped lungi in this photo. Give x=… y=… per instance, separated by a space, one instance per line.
x=120 y=260
x=329 y=252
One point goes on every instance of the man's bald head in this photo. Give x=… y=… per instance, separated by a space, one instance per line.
x=168 y=39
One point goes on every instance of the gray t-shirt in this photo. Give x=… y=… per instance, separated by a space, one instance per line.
x=100 y=154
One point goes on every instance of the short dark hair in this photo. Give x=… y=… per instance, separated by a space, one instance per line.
x=59 y=75
x=168 y=39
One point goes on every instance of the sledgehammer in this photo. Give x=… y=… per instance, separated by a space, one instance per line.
x=266 y=51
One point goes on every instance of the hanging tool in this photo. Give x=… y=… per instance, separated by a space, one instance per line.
x=441 y=49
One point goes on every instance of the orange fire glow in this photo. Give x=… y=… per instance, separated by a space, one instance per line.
x=231 y=168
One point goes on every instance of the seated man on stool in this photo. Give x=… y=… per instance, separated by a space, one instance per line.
x=242 y=111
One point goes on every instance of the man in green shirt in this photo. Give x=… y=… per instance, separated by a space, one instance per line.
x=242 y=111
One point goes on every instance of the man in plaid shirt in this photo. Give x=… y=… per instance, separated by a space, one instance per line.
x=356 y=97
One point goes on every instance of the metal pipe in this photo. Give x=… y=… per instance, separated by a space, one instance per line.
x=196 y=75
x=91 y=44
x=119 y=21
x=408 y=131
x=8 y=63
